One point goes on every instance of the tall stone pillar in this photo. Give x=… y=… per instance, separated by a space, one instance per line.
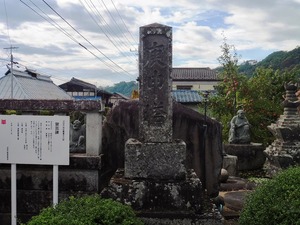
x=155 y=62
x=155 y=181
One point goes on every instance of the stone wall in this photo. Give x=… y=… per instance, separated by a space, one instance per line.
x=123 y=123
x=35 y=186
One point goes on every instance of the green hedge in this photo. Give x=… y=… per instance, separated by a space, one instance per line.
x=87 y=210
x=275 y=202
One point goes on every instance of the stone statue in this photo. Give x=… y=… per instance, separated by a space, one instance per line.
x=239 y=129
x=77 y=136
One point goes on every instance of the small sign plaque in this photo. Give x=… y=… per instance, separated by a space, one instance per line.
x=34 y=139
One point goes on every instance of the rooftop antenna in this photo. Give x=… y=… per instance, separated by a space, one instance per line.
x=11 y=70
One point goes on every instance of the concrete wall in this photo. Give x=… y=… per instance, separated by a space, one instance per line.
x=34 y=185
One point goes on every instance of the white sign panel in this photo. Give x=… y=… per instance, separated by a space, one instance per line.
x=34 y=139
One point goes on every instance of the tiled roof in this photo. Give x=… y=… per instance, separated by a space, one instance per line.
x=75 y=81
x=187 y=96
x=194 y=74
x=30 y=85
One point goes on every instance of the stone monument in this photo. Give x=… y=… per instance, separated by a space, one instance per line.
x=250 y=156
x=77 y=137
x=155 y=181
x=285 y=150
x=239 y=132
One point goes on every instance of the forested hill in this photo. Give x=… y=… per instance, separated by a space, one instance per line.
x=123 y=87
x=282 y=60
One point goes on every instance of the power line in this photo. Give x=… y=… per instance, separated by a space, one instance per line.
x=115 y=22
x=134 y=40
x=110 y=39
x=85 y=39
x=7 y=26
x=109 y=29
x=57 y=26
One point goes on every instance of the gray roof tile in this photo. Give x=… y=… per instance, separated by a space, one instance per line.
x=29 y=85
x=195 y=74
x=187 y=96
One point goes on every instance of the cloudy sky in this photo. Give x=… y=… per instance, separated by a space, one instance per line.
x=97 y=40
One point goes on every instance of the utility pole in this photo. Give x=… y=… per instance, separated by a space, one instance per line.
x=11 y=70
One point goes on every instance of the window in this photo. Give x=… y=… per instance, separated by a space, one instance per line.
x=184 y=87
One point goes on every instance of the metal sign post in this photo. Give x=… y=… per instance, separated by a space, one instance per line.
x=13 y=194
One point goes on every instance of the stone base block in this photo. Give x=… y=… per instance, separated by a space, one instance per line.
x=149 y=194
x=230 y=164
x=155 y=160
x=250 y=156
x=164 y=202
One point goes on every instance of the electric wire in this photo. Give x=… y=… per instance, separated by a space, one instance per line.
x=115 y=21
x=122 y=32
x=103 y=31
x=134 y=40
x=7 y=25
x=57 y=26
x=108 y=27
x=50 y=20
x=86 y=39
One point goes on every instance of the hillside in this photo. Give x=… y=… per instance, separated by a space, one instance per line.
x=288 y=61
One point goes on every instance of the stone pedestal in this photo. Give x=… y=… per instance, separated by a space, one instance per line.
x=155 y=160
x=159 y=201
x=250 y=156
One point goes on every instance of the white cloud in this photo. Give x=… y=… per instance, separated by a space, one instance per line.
x=251 y=26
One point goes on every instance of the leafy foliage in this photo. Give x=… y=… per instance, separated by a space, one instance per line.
x=87 y=210
x=275 y=201
x=284 y=61
x=259 y=95
x=123 y=87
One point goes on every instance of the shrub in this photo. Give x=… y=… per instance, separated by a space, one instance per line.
x=87 y=210
x=274 y=202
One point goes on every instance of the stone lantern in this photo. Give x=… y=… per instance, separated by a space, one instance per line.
x=285 y=150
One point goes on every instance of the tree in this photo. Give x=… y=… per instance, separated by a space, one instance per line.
x=228 y=99
x=260 y=96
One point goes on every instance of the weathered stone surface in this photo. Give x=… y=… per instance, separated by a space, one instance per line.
x=155 y=83
x=155 y=160
x=224 y=176
x=154 y=195
x=122 y=124
x=285 y=150
x=237 y=183
x=235 y=199
x=250 y=156
x=230 y=164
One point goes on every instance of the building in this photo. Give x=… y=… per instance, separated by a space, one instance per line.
x=189 y=85
x=81 y=90
x=24 y=83
x=189 y=98
x=117 y=97
x=201 y=79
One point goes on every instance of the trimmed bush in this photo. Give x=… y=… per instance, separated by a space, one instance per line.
x=87 y=210
x=274 y=202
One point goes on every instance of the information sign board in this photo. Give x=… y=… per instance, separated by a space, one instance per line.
x=32 y=139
